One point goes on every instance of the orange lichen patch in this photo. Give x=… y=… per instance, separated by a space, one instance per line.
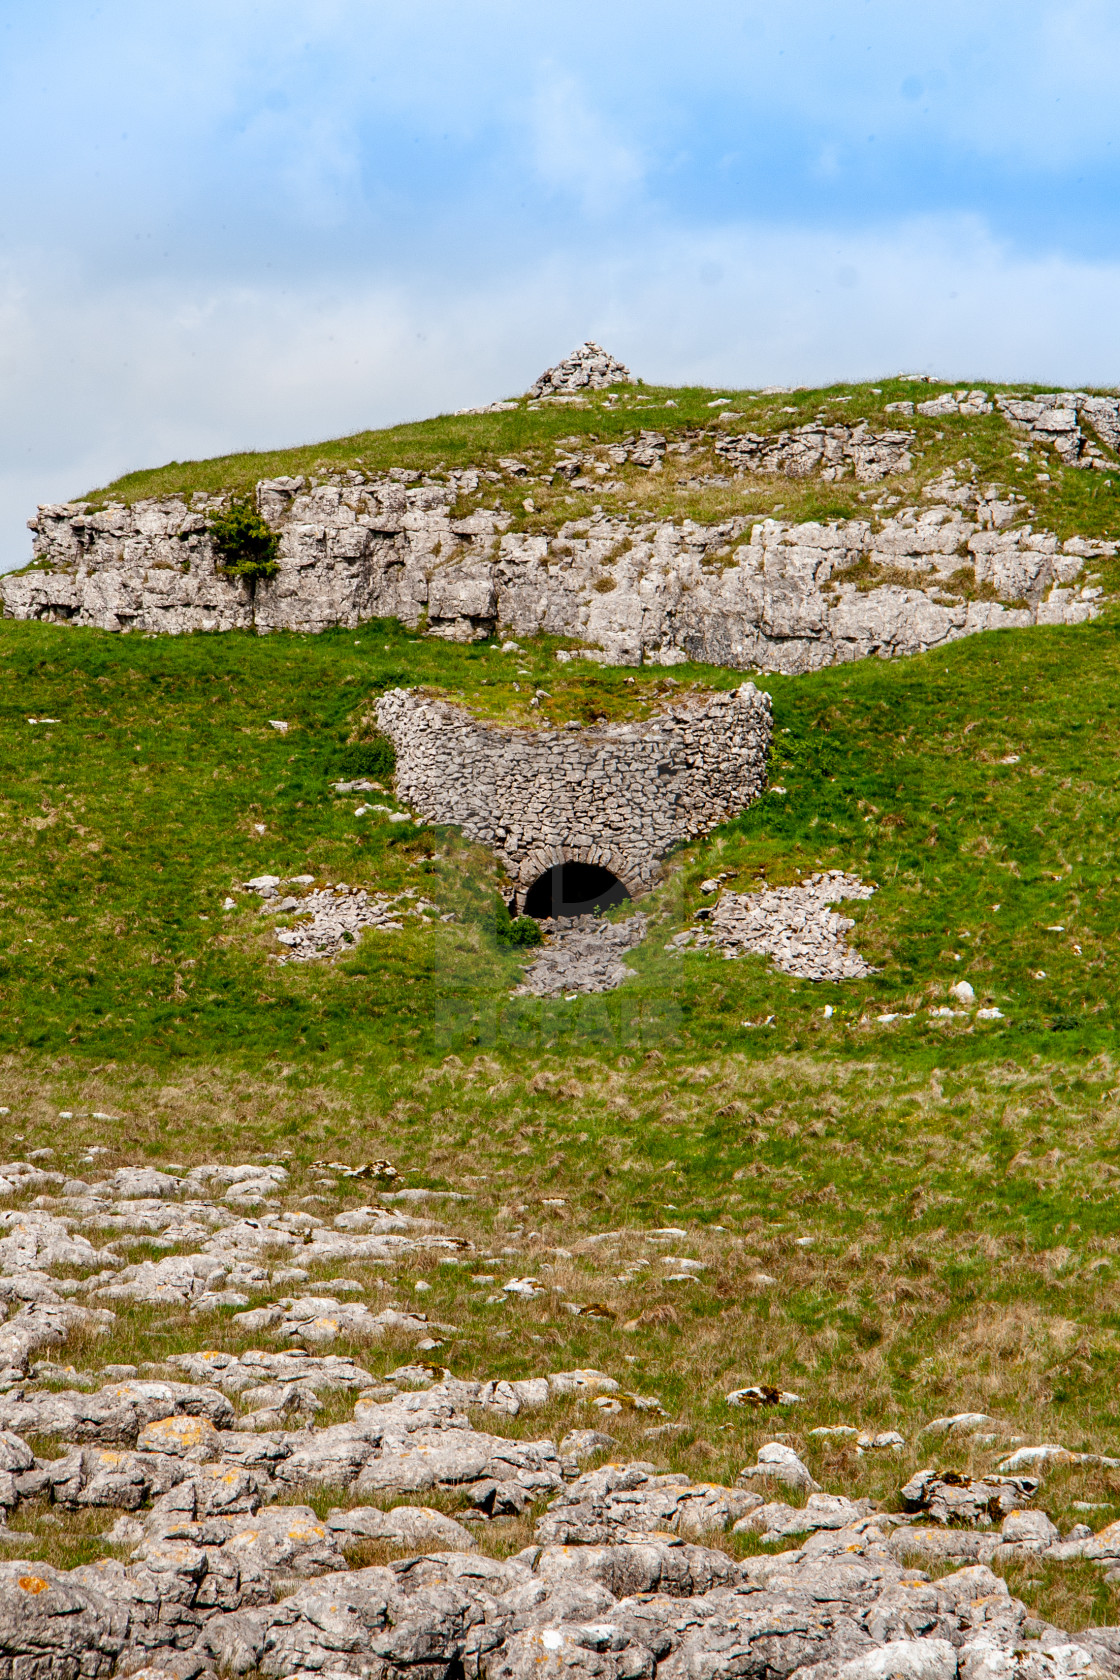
x=180 y=1435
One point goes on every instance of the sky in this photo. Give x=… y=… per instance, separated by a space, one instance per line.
x=227 y=225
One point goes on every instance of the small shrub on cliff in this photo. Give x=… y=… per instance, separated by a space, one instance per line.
x=244 y=544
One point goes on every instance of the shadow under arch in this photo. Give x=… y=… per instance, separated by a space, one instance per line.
x=580 y=877
x=574 y=889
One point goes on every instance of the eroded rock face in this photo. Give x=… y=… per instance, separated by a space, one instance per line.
x=1056 y=420
x=834 y=452
x=770 y=596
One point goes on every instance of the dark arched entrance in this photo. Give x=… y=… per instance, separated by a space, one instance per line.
x=573 y=889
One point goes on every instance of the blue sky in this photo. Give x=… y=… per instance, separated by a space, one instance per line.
x=229 y=225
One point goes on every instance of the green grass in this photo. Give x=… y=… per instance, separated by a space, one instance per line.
x=130 y=819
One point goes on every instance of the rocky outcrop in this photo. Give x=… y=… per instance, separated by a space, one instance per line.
x=767 y=595
x=832 y=451
x=841 y=1604
x=217 y=1564
x=619 y=796
x=1056 y=421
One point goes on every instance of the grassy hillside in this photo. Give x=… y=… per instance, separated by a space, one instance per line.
x=935 y=1201
x=128 y=819
x=932 y=1199
x=1067 y=502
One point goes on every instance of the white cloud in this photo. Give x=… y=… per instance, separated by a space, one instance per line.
x=575 y=149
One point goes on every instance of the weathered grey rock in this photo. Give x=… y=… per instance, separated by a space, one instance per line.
x=319 y=1319
x=1054 y=420
x=585 y=1443
x=179 y=1280
x=784 y=600
x=33 y=1240
x=1030 y=1458
x=1105 y=1546
x=944 y=1545
x=404 y=1525
x=278 y=1542
x=331 y=1457
x=54 y=1628
x=102 y=1476
x=43 y=1324
x=972 y=1425
x=129 y=1182
x=648 y=1564
x=500 y=1499
x=618 y=1501
x=777 y=1463
x=1032 y=1530
x=778 y=1521
x=417 y=1618
x=949 y=1496
x=838 y=1605
x=835 y=452
x=115 y=1414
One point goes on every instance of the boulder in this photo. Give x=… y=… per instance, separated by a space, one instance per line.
x=404 y=1525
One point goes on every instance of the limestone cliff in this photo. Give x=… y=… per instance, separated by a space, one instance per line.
x=762 y=595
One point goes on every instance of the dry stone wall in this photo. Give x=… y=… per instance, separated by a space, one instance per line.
x=620 y=796
x=767 y=595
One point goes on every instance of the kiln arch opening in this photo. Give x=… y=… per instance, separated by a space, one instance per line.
x=573 y=889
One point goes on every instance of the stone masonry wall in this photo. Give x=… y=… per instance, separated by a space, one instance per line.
x=621 y=796
x=766 y=595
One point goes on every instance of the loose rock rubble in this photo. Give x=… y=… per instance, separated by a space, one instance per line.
x=333 y=918
x=584 y=954
x=590 y=368
x=794 y=925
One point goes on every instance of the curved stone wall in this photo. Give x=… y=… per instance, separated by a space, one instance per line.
x=621 y=795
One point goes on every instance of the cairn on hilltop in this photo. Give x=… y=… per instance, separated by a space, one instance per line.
x=590 y=368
